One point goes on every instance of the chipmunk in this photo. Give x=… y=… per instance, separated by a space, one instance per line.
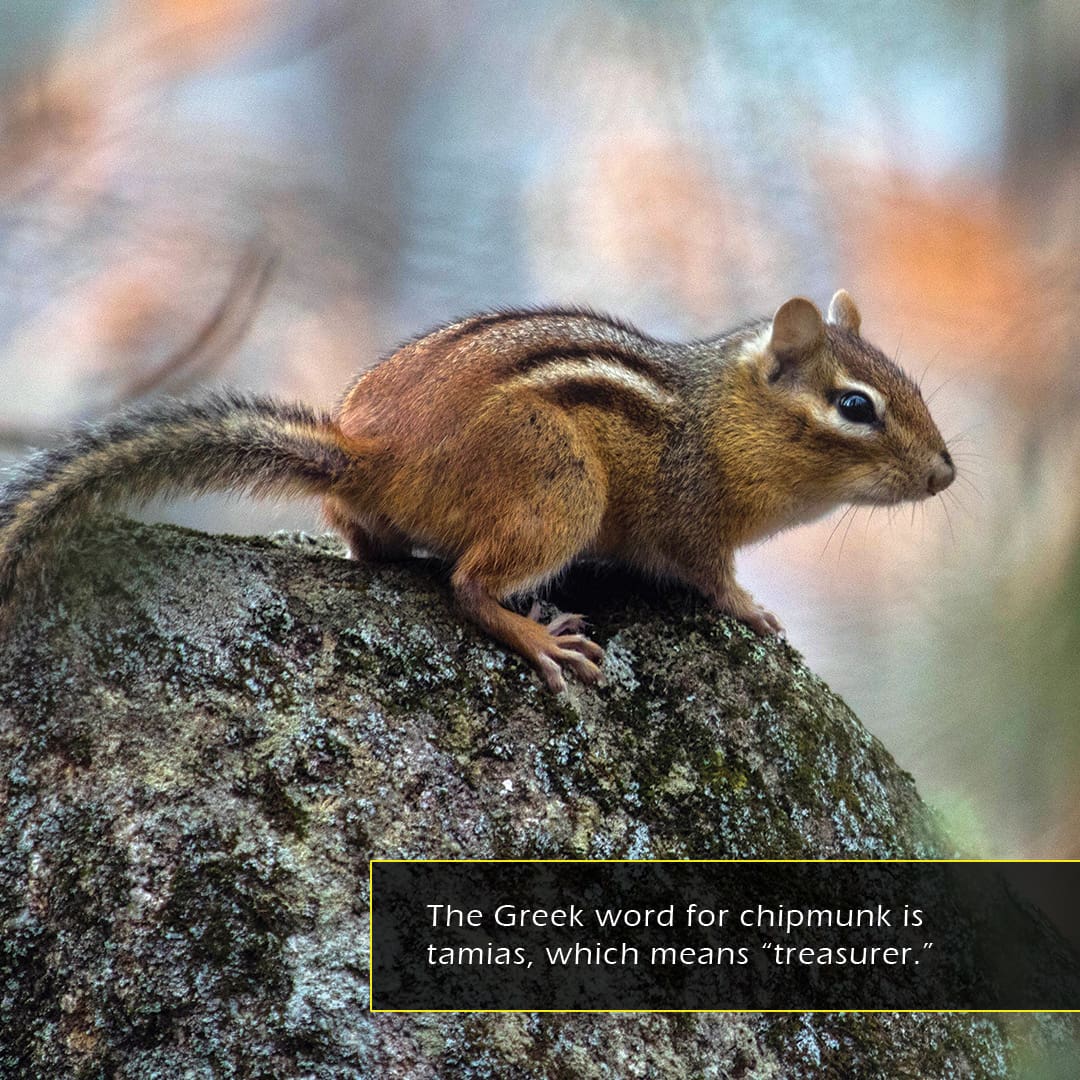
x=515 y=442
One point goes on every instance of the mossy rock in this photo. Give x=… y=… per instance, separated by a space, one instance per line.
x=205 y=739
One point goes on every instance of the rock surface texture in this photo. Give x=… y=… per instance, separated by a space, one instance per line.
x=203 y=741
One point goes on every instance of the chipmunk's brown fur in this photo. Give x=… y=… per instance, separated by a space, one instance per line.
x=516 y=442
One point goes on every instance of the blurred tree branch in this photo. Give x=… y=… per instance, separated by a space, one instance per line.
x=206 y=351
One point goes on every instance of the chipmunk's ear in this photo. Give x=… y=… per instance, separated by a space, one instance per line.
x=843 y=312
x=797 y=330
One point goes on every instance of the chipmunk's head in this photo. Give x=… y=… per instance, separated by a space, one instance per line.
x=857 y=425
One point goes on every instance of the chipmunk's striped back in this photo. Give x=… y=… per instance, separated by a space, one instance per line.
x=226 y=441
x=569 y=357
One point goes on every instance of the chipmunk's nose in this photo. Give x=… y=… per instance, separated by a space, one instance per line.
x=942 y=474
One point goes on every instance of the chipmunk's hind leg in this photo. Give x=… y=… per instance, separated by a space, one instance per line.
x=526 y=550
x=367 y=541
x=563 y=623
x=547 y=648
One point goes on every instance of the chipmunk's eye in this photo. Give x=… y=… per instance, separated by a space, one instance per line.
x=856 y=407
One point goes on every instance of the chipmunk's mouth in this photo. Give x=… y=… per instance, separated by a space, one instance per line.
x=897 y=487
x=893 y=494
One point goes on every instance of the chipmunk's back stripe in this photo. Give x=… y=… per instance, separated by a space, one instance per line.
x=597 y=383
x=609 y=355
x=562 y=370
x=625 y=401
x=483 y=321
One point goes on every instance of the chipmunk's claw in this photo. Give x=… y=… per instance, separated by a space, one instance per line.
x=566 y=624
x=737 y=602
x=763 y=622
x=572 y=650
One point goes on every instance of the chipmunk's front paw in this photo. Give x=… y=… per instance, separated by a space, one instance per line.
x=738 y=602
x=582 y=656
x=763 y=622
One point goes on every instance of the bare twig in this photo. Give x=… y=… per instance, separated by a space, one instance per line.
x=205 y=352
x=219 y=335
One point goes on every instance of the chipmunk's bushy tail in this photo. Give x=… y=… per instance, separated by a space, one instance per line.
x=223 y=442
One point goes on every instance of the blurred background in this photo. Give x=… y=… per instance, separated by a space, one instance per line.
x=272 y=194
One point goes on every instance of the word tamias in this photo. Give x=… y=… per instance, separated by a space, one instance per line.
x=516 y=442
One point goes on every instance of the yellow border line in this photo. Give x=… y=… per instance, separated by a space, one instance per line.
x=649 y=862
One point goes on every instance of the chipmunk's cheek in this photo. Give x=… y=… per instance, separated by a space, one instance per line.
x=876 y=487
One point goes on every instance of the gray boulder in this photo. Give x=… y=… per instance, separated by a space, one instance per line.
x=203 y=740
